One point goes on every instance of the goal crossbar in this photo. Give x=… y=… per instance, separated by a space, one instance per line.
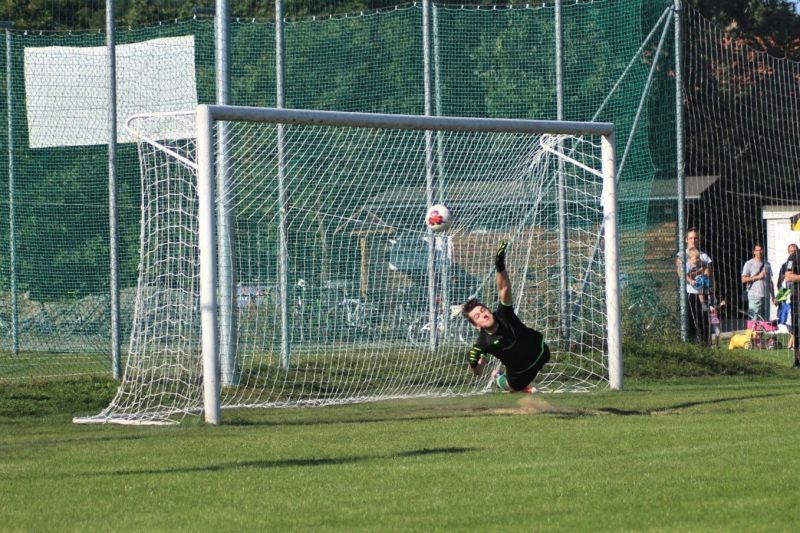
x=406 y=122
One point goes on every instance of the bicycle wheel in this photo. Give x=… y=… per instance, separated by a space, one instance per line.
x=418 y=332
x=462 y=331
x=358 y=315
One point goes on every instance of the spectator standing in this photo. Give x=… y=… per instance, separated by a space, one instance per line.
x=783 y=298
x=698 y=326
x=792 y=275
x=757 y=277
x=782 y=283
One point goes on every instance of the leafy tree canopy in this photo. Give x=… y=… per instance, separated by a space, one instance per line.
x=769 y=25
x=775 y=22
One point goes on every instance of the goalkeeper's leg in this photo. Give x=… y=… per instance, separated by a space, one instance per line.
x=522 y=382
x=499 y=379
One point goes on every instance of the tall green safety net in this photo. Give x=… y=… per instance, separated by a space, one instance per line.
x=487 y=62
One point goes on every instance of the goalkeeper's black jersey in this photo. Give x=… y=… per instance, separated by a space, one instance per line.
x=516 y=345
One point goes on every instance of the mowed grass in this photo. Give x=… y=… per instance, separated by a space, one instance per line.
x=688 y=454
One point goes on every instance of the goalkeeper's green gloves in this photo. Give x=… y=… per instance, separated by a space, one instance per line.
x=475 y=356
x=500 y=258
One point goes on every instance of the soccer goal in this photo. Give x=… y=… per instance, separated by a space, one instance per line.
x=285 y=262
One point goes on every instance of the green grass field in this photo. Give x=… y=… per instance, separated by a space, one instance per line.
x=693 y=450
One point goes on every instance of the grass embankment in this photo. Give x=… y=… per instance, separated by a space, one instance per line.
x=644 y=361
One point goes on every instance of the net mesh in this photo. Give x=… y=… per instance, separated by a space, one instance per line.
x=374 y=296
x=742 y=156
x=488 y=62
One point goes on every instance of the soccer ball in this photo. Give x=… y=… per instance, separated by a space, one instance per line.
x=437 y=218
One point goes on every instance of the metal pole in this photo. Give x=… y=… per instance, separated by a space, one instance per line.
x=429 y=162
x=444 y=240
x=113 y=212
x=679 y=162
x=208 y=265
x=283 y=234
x=613 y=314
x=563 y=230
x=11 y=229
x=225 y=217
x=407 y=122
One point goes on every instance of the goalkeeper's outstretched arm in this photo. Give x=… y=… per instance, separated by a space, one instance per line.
x=501 y=275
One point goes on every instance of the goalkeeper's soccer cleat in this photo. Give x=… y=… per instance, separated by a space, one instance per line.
x=500 y=380
x=530 y=389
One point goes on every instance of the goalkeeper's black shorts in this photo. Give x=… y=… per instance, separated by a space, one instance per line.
x=520 y=380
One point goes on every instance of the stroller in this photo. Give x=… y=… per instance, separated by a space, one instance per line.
x=756 y=336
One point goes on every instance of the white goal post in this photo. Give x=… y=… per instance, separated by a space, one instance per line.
x=208 y=115
x=284 y=260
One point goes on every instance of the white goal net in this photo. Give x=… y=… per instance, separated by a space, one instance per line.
x=328 y=288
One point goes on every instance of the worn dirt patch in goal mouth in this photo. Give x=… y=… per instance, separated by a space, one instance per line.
x=528 y=405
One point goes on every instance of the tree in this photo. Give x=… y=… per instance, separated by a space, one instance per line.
x=772 y=26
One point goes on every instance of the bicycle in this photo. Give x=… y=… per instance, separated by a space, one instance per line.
x=451 y=327
x=37 y=323
x=356 y=315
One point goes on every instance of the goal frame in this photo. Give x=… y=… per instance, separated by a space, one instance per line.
x=209 y=181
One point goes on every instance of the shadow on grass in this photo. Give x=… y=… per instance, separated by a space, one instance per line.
x=676 y=408
x=288 y=463
x=557 y=411
x=34 y=442
x=355 y=419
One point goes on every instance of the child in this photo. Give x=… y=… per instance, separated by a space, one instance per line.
x=698 y=272
x=714 y=309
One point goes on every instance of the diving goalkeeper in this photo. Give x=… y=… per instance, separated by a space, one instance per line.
x=522 y=350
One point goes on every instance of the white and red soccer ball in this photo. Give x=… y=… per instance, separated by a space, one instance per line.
x=437 y=218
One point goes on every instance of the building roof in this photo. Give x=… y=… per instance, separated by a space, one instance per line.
x=694 y=186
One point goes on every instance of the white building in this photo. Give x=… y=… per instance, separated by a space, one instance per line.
x=779 y=236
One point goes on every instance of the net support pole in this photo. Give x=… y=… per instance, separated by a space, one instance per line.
x=613 y=313
x=563 y=232
x=113 y=211
x=429 y=162
x=12 y=246
x=225 y=227
x=680 y=173
x=209 y=334
x=283 y=235
x=443 y=240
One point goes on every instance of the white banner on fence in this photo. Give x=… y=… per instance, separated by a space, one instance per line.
x=66 y=88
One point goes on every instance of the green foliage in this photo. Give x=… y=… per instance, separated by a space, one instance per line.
x=769 y=25
x=64 y=15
